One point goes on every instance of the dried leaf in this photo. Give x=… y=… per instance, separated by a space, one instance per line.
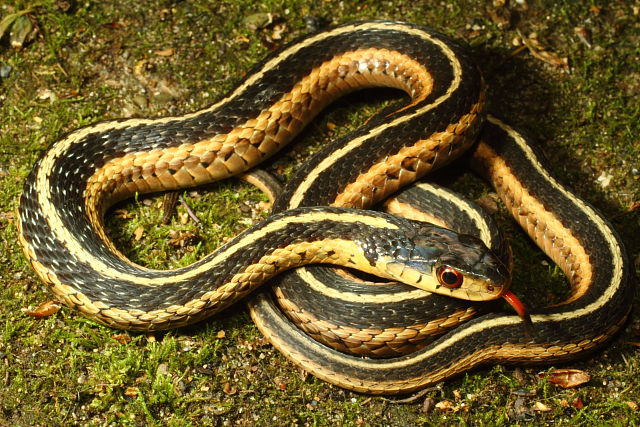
x=180 y=239
x=45 y=309
x=501 y=16
x=131 y=392
x=138 y=233
x=604 y=179
x=278 y=32
x=595 y=10
x=566 y=378
x=446 y=405
x=115 y=25
x=7 y=216
x=164 y=52
x=541 y=53
x=489 y=202
x=428 y=405
x=64 y=5
x=229 y=389
x=122 y=338
x=584 y=35
x=578 y=403
x=541 y=407
x=122 y=214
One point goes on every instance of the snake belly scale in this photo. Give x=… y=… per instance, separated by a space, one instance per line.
x=79 y=177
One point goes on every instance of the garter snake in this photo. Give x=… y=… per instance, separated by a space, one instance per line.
x=79 y=177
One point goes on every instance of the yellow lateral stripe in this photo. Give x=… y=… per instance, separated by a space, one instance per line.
x=614 y=248
x=616 y=281
x=320 y=287
x=222 y=256
x=485 y=233
x=302 y=189
x=44 y=197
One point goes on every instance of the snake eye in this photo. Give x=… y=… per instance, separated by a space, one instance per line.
x=449 y=277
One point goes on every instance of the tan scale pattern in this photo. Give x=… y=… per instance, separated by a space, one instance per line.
x=376 y=342
x=258 y=138
x=541 y=224
x=191 y=168
x=411 y=163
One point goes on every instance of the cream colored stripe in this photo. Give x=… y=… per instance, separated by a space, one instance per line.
x=297 y=197
x=470 y=210
x=222 y=256
x=42 y=180
x=320 y=287
x=614 y=284
x=315 y=284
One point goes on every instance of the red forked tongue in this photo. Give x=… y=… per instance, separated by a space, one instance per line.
x=518 y=306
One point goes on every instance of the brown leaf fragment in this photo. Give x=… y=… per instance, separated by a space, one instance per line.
x=180 y=239
x=540 y=52
x=122 y=214
x=229 y=389
x=131 y=392
x=65 y=5
x=541 y=407
x=122 y=338
x=447 y=405
x=489 y=202
x=501 y=16
x=428 y=405
x=282 y=384
x=45 y=309
x=595 y=10
x=577 y=403
x=7 y=216
x=138 y=233
x=566 y=378
x=164 y=52
x=302 y=374
x=115 y=25
x=584 y=35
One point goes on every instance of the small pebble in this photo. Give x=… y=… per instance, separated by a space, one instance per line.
x=5 y=71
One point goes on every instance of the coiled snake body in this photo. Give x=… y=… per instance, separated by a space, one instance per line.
x=79 y=177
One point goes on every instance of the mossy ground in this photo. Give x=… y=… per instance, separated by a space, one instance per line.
x=111 y=59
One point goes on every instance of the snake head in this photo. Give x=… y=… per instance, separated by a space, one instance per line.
x=447 y=263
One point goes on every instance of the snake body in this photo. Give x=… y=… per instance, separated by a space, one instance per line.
x=79 y=177
x=571 y=232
